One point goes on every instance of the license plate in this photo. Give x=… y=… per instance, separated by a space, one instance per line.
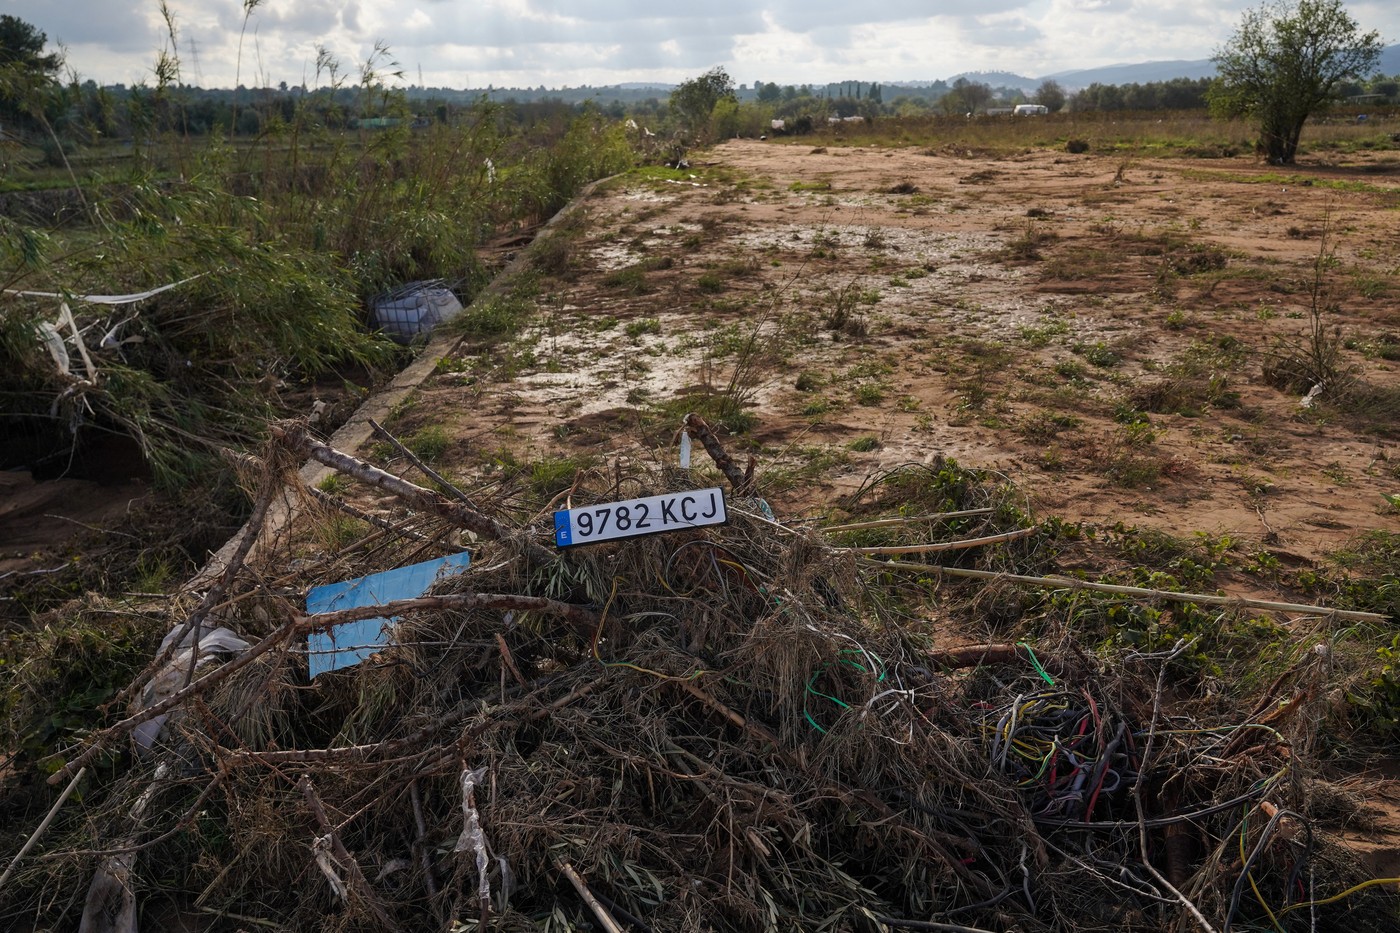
x=648 y=515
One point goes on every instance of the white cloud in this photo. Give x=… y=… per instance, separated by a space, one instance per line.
x=557 y=42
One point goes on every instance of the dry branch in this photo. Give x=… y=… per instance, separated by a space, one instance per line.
x=973 y=655
x=297 y=438
x=739 y=480
x=937 y=546
x=98 y=740
x=1070 y=583
x=357 y=883
x=417 y=461
x=599 y=911
x=43 y=825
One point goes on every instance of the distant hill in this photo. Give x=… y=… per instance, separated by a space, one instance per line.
x=1390 y=60
x=1000 y=79
x=1144 y=72
x=1134 y=74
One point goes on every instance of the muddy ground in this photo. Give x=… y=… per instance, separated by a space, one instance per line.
x=1097 y=328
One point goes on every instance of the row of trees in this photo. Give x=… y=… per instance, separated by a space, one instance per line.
x=1285 y=62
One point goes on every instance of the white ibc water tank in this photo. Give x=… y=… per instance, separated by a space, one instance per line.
x=412 y=311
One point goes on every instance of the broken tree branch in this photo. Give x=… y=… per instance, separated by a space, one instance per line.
x=943 y=545
x=973 y=655
x=417 y=461
x=43 y=825
x=741 y=482
x=1070 y=583
x=599 y=911
x=356 y=881
x=297 y=438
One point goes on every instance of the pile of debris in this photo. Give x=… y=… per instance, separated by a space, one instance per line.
x=747 y=725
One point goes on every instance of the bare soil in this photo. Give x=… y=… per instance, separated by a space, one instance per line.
x=1096 y=328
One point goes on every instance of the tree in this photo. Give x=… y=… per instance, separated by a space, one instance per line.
x=1051 y=95
x=27 y=75
x=1284 y=63
x=966 y=97
x=694 y=100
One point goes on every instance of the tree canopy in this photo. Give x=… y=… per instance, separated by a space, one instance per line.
x=694 y=100
x=1051 y=95
x=25 y=70
x=1284 y=63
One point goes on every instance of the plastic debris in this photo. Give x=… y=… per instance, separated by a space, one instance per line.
x=349 y=644
x=414 y=310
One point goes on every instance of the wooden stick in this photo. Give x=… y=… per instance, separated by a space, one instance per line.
x=296 y=437
x=887 y=522
x=423 y=468
x=43 y=825
x=741 y=483
x=356 y=878
x=973 y=655
x=941 y=545
x=381 y=523
x=569 y=612
x=599 y=911
x=1070 y=583
x=420 y=840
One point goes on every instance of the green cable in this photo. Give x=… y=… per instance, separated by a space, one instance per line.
x=807 y=714
x=1035 y=663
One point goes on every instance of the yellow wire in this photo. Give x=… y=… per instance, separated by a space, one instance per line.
x=598 y=634
x=1244 y=860
x=1337 y=897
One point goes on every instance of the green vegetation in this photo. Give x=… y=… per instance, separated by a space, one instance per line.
x=1284 y=63
x=278 y=244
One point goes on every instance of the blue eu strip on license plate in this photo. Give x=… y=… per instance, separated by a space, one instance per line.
x=648 y=515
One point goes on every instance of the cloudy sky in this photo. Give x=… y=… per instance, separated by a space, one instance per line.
x=526 y=43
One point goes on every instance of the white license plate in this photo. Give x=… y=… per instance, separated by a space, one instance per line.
x=648 y=515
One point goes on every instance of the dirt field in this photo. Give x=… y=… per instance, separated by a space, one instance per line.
x=1206 y=348
x=1096 y=328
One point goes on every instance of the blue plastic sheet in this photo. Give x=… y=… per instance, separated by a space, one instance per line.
x=350 y=643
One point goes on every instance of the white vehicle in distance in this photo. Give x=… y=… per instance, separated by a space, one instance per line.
x=1031 y=110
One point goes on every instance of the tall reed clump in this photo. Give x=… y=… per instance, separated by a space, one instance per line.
x=195 y=367
x=284 y=238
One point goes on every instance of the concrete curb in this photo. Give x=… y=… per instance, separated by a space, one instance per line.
x=351 y=435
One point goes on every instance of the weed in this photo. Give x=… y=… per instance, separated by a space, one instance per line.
x=843 y=315
x=334 y=484
x=869 y=393
x=1072 y=370
x=1098 y=354
x=1046 y=425
x=1027 y=246
x=1040 y=335
x=631 y=279
x=710 y=283
x=428 y=443
x=1314 y=359
x=553 y=475
x=641 y=326
x=494 y=317
x=864 y=444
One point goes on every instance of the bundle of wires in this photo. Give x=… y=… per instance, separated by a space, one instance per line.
x=1061 y=748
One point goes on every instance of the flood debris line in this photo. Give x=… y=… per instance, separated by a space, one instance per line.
x=742 y=726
